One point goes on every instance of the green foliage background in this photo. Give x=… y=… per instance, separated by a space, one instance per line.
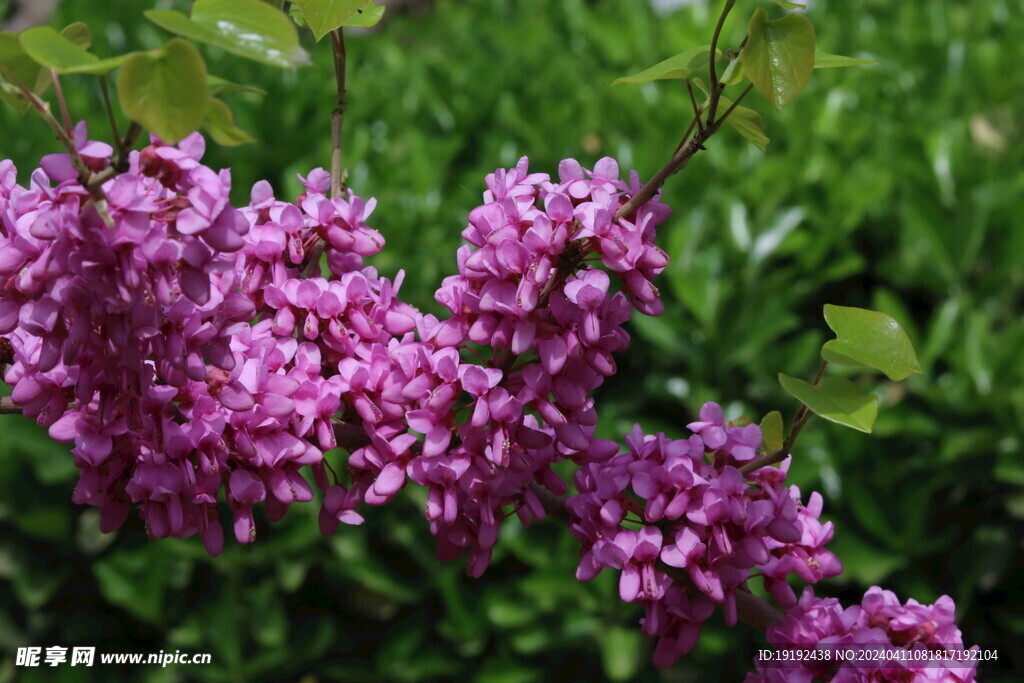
x=895 y=187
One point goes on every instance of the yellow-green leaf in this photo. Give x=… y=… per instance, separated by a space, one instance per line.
x=220 y=123
x=217 y=85
x=733 y=73
x=836 y=399
x=323 y=16
x=779 y=55
x=682 y=65
x=165 y=90
x=823 y=60
x=869 y=339
x=746 y=121
x=771 y=432
x=53 y=50
x=368 y=16
x=249 y=28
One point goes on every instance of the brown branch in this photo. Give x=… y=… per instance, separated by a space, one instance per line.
x=7 y=406
x=802 y=416
x=676 y=163
x=716 y=86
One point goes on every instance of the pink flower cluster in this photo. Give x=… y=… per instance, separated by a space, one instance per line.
x=194 y=353
x=197 y=357
x=526 y=289
x=880 y=623
x=685 y=504
x=169 y=346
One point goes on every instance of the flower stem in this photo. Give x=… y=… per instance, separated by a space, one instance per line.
x=677 y=162
x=62 y=102
x=338 y=115
x=108 y=107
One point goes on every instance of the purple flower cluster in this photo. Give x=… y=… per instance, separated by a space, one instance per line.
x=684 y=504
x=177 y=349
x=195 y=355
x=879 y=623
x=527 y=290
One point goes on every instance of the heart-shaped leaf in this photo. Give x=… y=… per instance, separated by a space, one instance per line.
x=836 y=399
x=165 y=90
x=682 y=65
x=779 y=55
x=323 y=16
x=249 y=28
x=869 y=339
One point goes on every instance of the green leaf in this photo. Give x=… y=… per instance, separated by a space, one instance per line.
x=22 y=66
x=771 y=431
x=869 y=339
x=27 y=70
x=682 y=65
x=746 y=121
x=296 y=14
x=836 y=399
x=217 y=85
x=78 y=33
x=249 y=28
x=323 y=16
x=220 y=123
x=165 y=90
x=779 y=55
x=368 y=16
x=54 y=51
x=823 y=60
x=733 y=73
x=100 y=67
x=785 y=4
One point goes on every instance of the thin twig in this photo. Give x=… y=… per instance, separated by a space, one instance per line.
x=7 y=406
x=68 y=128
x=677 y=162
x=716 y=87
x=802 y=417
x=735 y=104
x=696 y=109
x=338 y=115
x=108 y=107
